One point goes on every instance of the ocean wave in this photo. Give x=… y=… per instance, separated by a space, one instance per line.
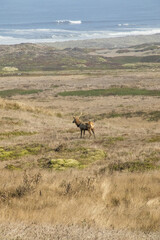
x=35 y=31
x=16 y=36
x=135 y=32
x=84 y=35
x=13 y=40
x=123 y=24
x=4 y=40
x=69 y=21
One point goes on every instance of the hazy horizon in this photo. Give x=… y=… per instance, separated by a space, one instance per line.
x=62 y=20
x=28 y=11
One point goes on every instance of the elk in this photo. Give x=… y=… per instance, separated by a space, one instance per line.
x=88 y=126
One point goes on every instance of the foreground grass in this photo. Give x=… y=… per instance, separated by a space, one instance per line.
x=119 y=201
x=112 y=92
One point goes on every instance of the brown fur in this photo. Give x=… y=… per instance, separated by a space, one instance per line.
x=89 y=126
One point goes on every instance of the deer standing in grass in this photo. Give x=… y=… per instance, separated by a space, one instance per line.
x=89 y=126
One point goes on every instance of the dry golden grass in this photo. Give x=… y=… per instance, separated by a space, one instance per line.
x=14 y=105
x=119 y=201
x=97 y=196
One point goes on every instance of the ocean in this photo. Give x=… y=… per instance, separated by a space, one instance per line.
x=38 y=21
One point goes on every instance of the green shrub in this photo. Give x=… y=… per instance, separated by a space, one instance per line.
x=62 y=164
x=131 y=166
x=79 y=157
x=20 y=151
x=13 y=92
x=112 y=92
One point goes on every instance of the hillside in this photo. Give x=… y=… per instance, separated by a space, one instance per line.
x=56 y=185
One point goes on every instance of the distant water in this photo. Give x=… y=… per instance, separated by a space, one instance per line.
x=35 y=21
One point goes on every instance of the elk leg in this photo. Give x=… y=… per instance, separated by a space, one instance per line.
x=89 y=133
x=93 y=132
x=81 y=133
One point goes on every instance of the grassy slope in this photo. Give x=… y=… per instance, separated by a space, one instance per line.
x=32 y=58
x=108 y=182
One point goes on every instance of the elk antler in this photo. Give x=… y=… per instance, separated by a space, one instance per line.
x=76 y=114
x=80 y=115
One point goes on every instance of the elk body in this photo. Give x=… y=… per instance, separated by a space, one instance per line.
x=89 y=126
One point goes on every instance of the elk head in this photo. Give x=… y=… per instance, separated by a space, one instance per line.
x=74 y=120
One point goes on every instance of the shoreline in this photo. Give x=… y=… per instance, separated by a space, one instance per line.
x=113 y=42
x=116 y=42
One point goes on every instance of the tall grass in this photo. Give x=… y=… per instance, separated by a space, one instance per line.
x=119 y=201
